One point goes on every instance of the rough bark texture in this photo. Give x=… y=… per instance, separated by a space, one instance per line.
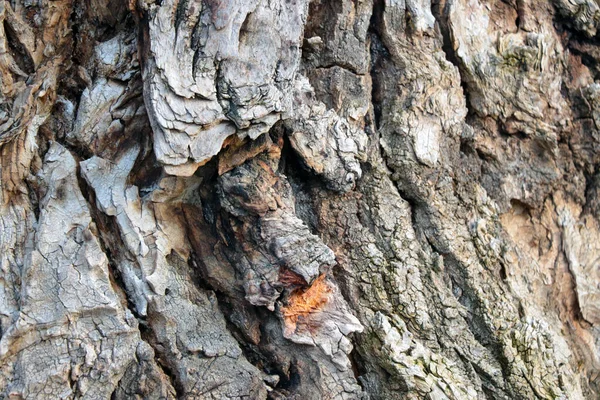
x=300 y=199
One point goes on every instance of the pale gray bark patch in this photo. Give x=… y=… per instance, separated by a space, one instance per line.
x=72 y=336
x=215 y=69
x=326 y=143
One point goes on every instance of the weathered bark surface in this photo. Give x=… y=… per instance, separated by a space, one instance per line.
x=300 y=199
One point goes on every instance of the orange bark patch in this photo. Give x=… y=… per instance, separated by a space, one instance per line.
x=307 y=301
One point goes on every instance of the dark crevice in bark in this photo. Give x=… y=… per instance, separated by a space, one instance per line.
x=520 y=8
x=476 y=323
x=72 y=85
x=346 y=67
x=32 y=181
x=258 y=354
x=198 y=275
x=439 y=11
x=214 y=217
x=468 y=297
x=576 y=311
x=254 y=353
x=180 y=15
x=227 y=306
x=18 y=52
x=33 y=193
x=79 y=153
x=161 y=358
x=303 y=184
x=106 y=228
x=574 y=40
x=358 y=365
x=488 y=393
x=245 y=30
x=74 y=21
x=318 y=56
x=197 y=40
x=488 y=387
x=592 y=194
x=379 y=55
x=584 y=50
x=163 y=362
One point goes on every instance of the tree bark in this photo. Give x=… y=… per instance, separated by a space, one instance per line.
x=299 y=199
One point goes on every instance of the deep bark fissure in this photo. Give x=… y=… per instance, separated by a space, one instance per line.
x=437 y=9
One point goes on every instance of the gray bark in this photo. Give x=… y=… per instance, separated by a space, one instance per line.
x=299 y=199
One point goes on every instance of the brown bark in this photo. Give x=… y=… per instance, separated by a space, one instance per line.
x=324 y=199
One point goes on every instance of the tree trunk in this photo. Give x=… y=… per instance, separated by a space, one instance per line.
x=294 y=199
